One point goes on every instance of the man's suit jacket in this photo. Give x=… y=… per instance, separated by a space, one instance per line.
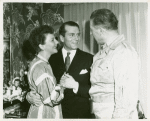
x=74 y=105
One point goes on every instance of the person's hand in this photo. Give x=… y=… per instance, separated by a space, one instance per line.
x=61 y=95
x=34 y=98
x=54 y=95
x=68 y=81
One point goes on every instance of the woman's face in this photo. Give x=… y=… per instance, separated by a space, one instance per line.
x=50 y=45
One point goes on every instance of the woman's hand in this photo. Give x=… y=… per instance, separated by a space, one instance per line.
x=54 y=95
x=57 y=95
x=34 y=98
x=61 y=95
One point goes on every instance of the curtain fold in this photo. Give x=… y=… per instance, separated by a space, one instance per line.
x=132 y=19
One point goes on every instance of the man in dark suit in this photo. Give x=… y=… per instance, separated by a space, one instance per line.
x=76 y=63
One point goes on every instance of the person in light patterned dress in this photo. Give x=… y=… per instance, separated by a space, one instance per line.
x=38 y=49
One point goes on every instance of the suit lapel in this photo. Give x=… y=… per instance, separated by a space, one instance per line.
x=61 y=60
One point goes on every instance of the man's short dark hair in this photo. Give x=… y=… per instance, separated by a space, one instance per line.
x=62 y=30
x=104 y=18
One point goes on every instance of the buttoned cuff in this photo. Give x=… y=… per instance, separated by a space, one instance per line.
x=75 y=90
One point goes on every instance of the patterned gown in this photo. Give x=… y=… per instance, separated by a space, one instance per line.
x=42 y=81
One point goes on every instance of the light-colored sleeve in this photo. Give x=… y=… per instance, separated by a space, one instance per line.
x=126 y=76
x=44 y=83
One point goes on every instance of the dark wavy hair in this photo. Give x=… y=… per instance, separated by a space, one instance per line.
x=37 y=36
x=104 y=18
x=62 y=30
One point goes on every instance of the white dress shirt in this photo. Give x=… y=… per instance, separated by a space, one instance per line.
x=72 y=54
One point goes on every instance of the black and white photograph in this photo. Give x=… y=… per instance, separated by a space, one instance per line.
x=74 y=60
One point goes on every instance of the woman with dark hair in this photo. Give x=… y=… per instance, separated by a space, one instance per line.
x=38 y=49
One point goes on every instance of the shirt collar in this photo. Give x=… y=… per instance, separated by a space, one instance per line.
x=105 y=48
x=72 y=52
x=116 y=42
x=42 y=58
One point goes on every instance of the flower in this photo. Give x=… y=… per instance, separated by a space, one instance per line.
x=37 y=23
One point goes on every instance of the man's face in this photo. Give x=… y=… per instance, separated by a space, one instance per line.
x=71 y=38
x=96 y=33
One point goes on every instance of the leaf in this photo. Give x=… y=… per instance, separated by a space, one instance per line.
x=32 y=11
x=21 y=19
x=29 y=28
x=17 y=18
x=59 y=18
x=50 y=18
x=5 y=7
x=37 y=23
x=22 y=35
x=18 y=6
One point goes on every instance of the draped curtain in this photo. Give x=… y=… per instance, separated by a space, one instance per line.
x=133 y=23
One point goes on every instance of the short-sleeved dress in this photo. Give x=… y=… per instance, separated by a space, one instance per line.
x=42 y=81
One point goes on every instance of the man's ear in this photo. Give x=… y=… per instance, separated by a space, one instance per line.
x=41 y=47
x=61 y=38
